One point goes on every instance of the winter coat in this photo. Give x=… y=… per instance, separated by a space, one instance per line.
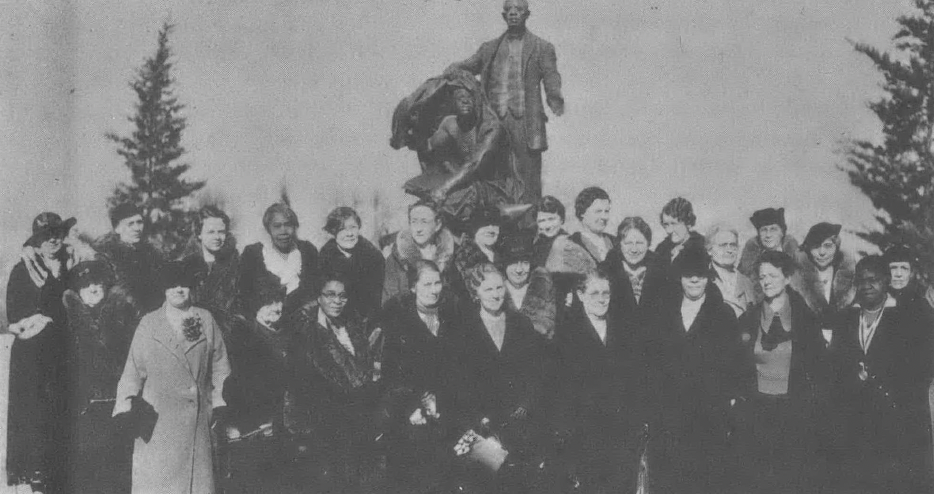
x=541 y=248
x=539 y=303
x=655 y=287
x=135 y=270
x=101 y=452
x=254 y=274
x=664 y=248
x=753 y=249
x=402 y=255
x=600 y=401
x=37 y=419
x=363 y=270
x=807 y=282
x=183 y=381
x=215 y=284
x=585 y=243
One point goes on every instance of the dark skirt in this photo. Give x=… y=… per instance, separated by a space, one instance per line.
x=102 y=453
x=37 y=422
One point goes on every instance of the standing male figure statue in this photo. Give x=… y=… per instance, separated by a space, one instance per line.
x=513 y=68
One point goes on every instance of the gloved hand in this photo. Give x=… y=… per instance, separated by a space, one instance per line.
x=219 y=419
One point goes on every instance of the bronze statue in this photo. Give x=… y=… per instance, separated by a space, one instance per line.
x=513 y=68
x=461 y=145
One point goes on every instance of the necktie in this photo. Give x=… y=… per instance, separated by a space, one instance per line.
x=775 y=335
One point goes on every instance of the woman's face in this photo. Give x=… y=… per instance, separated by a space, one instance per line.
x=51 y=246
x=724 y=248
x=772 y=280
x=423 y=224
x=549 y=224
x=597 y=216
x=823 y=254
x=487 y=236
x=178 y=297
x=491 y=292
x=349 y=234
x=677 y=231
x=282 y=232
x=596 y=297
x=694 y=286
x=92 y=294
x=634 y=246
x=428 y=288
x=770 y=236
x=333 y=299
x=518 y=273
x=213 y=234
x=901 y=274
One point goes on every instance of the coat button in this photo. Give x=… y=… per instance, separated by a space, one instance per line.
x=192 y=389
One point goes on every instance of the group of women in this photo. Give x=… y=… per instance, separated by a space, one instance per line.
x=502 y=361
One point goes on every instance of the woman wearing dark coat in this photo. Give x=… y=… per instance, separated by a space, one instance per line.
x=592 y=208
x=678 y=219
x=694 y=360
x=787 y=374
x=334 y=389
x=37 y=419
x=423 y=343
x=599 y=404
x=481 y=246
x=293 y=263
x=637 y=279
x=101 y=321
x=356 y=259
x=211 y=256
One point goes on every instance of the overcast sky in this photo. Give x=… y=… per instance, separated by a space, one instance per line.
x=736 y=105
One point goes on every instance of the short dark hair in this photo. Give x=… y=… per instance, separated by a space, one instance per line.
x=779 y=259
x=876 y=264
x=336 y=219
x=634 y=223
x=550 y=204
x=415 y=270
x=328 y=276
x=586 y=198
x=210 y=212
x=425 y=203
x=279 y=208
x=598 y=273
x=680 y=209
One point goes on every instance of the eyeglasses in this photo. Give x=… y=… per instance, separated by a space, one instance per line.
x=332 y=296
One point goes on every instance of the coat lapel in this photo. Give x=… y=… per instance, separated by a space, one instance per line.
x=164 y=334
x=528 y=49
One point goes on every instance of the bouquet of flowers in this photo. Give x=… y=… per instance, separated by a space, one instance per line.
x=191 y=328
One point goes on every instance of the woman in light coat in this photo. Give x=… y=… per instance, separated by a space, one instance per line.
x=177 y=364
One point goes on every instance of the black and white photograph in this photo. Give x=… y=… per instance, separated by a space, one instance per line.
x=467 y=247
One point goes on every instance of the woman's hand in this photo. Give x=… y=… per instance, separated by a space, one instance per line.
x=30 y=326
x=430 y=406
x=269 y=315
x=417 y=418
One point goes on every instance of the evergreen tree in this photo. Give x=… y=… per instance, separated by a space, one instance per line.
x=897 y=173
x=152 y=152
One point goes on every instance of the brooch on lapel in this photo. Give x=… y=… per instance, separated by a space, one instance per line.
x=191 y=328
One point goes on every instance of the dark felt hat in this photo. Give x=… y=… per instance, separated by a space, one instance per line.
x=173 y=274
x=769 y=216
x=900 y=253
x=517 y=246
x=88 y=273
x=485 y=216
x=692 y=261
x=48 y=225
x=818 y=233
x=122 y=212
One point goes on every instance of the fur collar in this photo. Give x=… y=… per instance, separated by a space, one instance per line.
x=407 y=252
x=809 y=285
x=753 y=249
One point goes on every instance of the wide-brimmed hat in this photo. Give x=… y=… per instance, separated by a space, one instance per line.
x=818 y=233
x=485 y=216
x=173 y=274
x=769 y=216
x=48 y=225
x=517 y=246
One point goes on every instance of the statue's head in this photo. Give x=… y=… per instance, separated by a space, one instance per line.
x=463 y=102
x=515 y=13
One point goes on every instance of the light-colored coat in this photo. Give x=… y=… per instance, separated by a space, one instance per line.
x=183 y=381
